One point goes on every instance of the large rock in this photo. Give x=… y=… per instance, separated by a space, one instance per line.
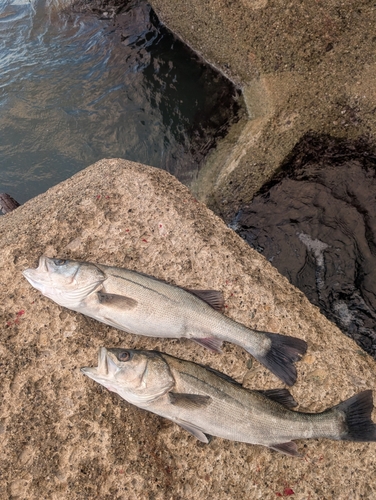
x=303 y=66
x=63 y=436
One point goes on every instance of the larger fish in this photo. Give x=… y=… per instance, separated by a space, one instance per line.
x=208 y=403
x=143 y=305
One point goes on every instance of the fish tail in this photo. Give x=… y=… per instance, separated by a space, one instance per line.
x=281 y=356
x=357 y=412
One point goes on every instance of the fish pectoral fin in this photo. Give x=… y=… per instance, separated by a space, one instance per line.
x=116 y=301
x=189 y=401
x=210 y=343
x=214 y=298
x=195 y=431
x=288 y=448
x=281 y=396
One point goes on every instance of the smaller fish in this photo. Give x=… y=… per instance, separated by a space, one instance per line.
x=144 y=305
x=208 y=403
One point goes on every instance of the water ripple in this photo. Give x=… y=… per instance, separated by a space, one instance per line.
x=76 y=88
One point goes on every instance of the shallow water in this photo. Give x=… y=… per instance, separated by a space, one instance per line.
x=76 y=88
x=316 y=223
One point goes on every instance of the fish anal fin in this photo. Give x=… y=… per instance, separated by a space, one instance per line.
x=281 y=396
x=210 y=343
x=116 y=301
x=288 y=448
x=197 y=433
x=214 y=298
x=188 y=401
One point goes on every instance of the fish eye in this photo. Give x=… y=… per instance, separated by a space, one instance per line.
x=124 y=356
x=59 y=262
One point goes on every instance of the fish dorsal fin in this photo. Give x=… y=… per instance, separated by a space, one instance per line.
x=188 y=401
x=210 y=343
x=214 y=298
x=195 y=431
x=281 y=396
x=116 y=301
x=288 y=448
x=222 y=375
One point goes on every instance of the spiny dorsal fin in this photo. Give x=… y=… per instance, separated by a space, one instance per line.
x=221 y=375
x=116 y=301
x=281 y=396
x=189 y=401
x=214 y=298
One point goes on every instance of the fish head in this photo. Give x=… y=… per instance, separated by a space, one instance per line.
x=67 y=282
x=139 y=377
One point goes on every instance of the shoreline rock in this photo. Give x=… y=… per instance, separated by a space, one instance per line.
x=65 y=437
x=303 y=68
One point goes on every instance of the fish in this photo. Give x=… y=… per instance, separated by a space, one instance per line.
x=208 y=403
x=143 y=305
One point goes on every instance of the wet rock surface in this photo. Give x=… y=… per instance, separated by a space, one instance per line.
x=316 y=223
x=63 y=436
x=303 y=67
x=179 y=79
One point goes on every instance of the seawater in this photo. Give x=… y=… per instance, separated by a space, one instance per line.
x=76 y=87
x=316 y=223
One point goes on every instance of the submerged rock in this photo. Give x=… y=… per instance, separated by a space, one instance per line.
x=316 y=222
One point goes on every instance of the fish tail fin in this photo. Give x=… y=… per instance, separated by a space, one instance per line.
x=357 y=412
x=282 y=354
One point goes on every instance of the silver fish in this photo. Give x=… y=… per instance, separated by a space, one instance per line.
x=208 y=403
x=143 y=305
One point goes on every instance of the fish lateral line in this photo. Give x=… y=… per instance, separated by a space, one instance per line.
x=213 y=298
x=146 y=287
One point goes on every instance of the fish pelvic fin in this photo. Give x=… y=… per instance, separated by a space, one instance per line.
x=282 y=354
x=357 y=415
x=289 y=448
x=195 y=431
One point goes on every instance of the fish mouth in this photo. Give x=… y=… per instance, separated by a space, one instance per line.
x=106 y=367
x=102 y=361
x=101 y=370
x=33 y=276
